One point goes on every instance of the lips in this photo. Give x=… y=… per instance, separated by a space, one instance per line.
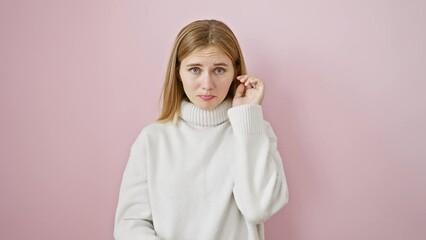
x=206 y=97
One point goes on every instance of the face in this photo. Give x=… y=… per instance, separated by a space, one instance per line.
x=206 y=76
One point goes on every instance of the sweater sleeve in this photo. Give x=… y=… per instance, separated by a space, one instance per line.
x=133 y=220
x=260 y=186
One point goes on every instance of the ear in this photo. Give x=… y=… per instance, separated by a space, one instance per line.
x=233 y=88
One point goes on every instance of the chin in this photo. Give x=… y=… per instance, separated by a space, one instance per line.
x=207 y=105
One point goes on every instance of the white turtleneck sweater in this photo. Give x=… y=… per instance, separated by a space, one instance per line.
x=213 y=175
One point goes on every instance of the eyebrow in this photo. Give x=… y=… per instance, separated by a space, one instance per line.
x=200 y=65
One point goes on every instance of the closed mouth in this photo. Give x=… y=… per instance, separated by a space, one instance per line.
x=206 y=97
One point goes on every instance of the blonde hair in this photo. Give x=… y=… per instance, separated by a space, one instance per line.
x=193 y=37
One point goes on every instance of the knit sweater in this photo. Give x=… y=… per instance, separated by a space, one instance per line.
x=212 y=175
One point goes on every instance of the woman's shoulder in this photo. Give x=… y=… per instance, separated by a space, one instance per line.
x=154 y=129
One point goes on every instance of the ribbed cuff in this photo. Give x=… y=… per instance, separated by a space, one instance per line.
x=247 y=119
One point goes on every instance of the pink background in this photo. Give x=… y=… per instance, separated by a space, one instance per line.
x=345 y=94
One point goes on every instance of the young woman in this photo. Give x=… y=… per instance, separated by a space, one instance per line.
x=209 y=168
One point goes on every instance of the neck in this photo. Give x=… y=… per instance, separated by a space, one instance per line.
x=197 y=116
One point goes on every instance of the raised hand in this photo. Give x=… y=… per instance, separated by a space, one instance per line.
x=250 y=91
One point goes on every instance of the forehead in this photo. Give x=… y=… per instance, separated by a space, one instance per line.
x=210 y=54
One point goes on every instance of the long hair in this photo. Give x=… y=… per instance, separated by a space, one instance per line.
x=191 y=38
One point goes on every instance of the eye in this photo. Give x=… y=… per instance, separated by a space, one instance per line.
x=219 y=70
x=194 y=70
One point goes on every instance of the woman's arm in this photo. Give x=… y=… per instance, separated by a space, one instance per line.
x=133 y=219
x=260 y=188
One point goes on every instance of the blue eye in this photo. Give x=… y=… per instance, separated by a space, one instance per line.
x=194 y=70
x=220 y=70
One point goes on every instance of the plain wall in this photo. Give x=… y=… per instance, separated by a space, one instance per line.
x=345 y=94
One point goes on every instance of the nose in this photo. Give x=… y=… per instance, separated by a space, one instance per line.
x=207 y=82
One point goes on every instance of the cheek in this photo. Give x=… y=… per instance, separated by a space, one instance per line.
x=230 y=79
x=183 y=77
x=188 y=84
x=226 y=84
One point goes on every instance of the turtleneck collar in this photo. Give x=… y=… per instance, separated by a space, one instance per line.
x=197 y=116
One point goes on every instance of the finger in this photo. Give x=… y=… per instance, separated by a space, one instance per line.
x=242 y=78
x=239 y=92
x=247 y=82
x=251 y=82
